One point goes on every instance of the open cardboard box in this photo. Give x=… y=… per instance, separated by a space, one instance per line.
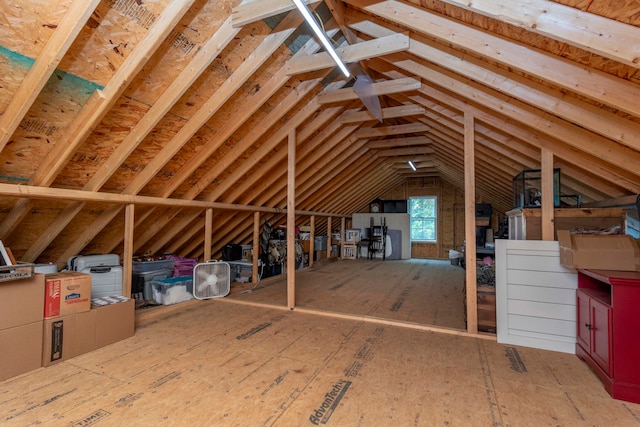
x=599 y=251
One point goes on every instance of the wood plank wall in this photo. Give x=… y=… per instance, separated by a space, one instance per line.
x=450 y=212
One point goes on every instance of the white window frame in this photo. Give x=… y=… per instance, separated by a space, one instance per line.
x=435 y=219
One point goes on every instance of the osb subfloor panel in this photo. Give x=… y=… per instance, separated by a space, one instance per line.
x=419 y=291
x=217 y=363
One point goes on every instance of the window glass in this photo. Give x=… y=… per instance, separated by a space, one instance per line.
x=423 y=214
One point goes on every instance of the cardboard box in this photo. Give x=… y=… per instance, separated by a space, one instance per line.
x=64 y=337
x=66 y=293
x=21 y=301
x=599 y=251
x=20 y=349
x=114 y=322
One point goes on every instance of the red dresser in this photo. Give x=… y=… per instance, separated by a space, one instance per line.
x=608 y=329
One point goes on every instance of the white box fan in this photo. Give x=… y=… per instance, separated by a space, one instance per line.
x=211 y=279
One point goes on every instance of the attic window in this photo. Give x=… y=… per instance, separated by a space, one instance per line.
x=423 y=212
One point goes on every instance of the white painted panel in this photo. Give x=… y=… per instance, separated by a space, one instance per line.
x=542 y=309
x=551 y=295
x=523 y=250
x=542 y=278
x=543 y=336
x=536 y=262
x=553 y=327
x=535 y=296
x=544 y=342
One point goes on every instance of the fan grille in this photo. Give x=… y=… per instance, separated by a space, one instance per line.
x=211 y=280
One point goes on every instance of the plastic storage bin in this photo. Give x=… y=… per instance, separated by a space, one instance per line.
x=144 y=279
x=320 y=243
x=172 y=290
x=143 y=266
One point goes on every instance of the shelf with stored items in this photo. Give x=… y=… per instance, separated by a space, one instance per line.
x=485 y=289
x=607 y=327
x=526 y=224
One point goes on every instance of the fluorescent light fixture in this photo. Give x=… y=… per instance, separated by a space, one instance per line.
x=321 y=35
x=412 y=165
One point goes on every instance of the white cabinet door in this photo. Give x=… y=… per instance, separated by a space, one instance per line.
x=535 y=296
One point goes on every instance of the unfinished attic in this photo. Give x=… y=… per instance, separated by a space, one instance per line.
x=358 y=143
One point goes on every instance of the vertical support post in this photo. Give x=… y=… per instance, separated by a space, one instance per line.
x=547 y=211
x=127 y=261
x=342 y=235
x=328 y=237
x=256 y=246
x=208 y=231
x=312 y=237
x=291 y=220
x=470 y=223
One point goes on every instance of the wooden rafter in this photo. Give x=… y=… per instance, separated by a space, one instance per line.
x=380 y=88
x=593 y=33
x=44 y=66
x=387 y=113
x=573 y=77
x=351 y=53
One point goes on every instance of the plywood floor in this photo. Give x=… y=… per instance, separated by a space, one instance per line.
x=226 y=363
x=420 y=291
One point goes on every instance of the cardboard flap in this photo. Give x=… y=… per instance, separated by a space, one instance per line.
x=599 y=252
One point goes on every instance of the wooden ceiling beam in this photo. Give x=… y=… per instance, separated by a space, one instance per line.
x=187 y=77
x=96 y=108
x=345 y=171
x=92 y=113
x=588 y=116
x=387 y=113
x=405 y=165
x=382 y=131
x=572 y=135
x=405 y=151
x=405 y=159
x=514 y=137
x=594 y=33
x=357 y=195
x=249 y=12
x=173 y=93
x=260 y=153
x=354 y=181
x=256 y=133
x=513 y=149
x=330 y=165
x=585 y=160
x=188 y=130
x=316 y=146
x=351 y=53
x=45 y=64
x=211 y=106
x=309 y=150
x=399 y=142
x=574 y=77
x=256 y=178
x=264 y=149
x=378 y=88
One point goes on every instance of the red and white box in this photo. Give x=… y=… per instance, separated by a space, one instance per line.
x=66 y=293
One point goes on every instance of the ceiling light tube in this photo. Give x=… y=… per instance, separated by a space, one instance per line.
x=412 y=165
x=321 y=35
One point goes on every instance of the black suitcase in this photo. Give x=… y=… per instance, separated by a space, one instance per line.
x=231 y=252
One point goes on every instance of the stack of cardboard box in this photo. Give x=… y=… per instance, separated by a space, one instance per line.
x=21 y=315
x=46 y=319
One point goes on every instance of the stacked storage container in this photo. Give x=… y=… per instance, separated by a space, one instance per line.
x=144 y=272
